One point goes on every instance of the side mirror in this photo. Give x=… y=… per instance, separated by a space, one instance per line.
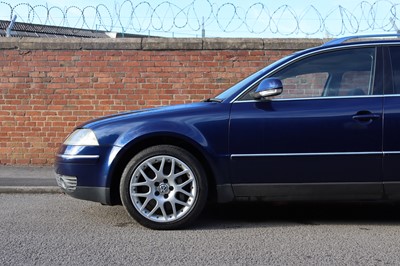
x=267 y=88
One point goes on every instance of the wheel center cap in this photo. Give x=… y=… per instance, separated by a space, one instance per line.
x=163 y=188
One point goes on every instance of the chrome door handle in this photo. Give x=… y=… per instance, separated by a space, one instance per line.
x=365 y=116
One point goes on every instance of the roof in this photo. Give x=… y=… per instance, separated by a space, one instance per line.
x=362 y=38
x=21 y=29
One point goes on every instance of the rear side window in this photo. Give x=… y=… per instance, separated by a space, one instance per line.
x=395 y=60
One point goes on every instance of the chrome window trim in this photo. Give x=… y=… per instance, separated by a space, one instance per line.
x=313 y=154
x=391 y=152
x=69 y=157
x=314 y=98
x=327 y=49
x=392 y=95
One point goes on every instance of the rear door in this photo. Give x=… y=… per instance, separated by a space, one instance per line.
x=391 y=140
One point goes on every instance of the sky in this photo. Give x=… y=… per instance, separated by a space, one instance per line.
x=218 y=18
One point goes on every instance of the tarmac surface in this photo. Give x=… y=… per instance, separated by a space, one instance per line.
x=41 y=226
x=28 y=179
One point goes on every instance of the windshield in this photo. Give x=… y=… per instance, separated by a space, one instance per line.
x=238 y=87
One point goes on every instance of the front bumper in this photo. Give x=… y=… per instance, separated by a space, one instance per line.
x=69 y=185
x=83 y=172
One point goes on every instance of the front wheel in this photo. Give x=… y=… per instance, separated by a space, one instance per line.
x=164 y=187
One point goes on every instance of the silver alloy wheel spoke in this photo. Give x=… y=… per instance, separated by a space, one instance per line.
x=140 y=195
x=174 y=214
x=145 y=176
x=173 y=162
x=190 y=195
x=163 y=212
x=181 y=203
x=145 y=203
x=153 y=210
x=185 y=183
x=161 y=170
x=141 y=184
x=152 y=168
x=163 y=188
x=180 y=173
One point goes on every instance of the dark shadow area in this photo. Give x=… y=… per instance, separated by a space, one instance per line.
x=261 y=215
x=250 y=214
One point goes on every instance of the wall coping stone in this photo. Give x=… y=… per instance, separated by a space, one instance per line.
x=27 y=43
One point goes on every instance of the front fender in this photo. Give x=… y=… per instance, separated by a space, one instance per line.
x=206 y=136
x=162 y=128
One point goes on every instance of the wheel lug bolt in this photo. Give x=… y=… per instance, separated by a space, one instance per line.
x=157 y=193
x=165 y=181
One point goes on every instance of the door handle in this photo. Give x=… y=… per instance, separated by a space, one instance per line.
x=365 y=116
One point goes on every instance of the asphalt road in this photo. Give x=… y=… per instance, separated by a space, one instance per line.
x=54 y=229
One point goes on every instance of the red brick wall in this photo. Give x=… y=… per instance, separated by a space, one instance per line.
x=47 y=90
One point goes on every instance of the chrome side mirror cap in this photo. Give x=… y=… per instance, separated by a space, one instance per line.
x=267 y=88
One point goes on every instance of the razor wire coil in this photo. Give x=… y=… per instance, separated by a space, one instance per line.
x=257 y=18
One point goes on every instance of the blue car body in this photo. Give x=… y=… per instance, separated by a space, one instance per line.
x=339 y=145
x=201 y=126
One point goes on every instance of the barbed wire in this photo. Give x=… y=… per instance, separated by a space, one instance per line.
x=256 y=18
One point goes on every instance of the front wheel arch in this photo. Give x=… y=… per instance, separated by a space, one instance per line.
x=135 y=147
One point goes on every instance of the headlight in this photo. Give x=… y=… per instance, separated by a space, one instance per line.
x=82 y=137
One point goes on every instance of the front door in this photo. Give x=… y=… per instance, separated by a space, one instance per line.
x=322 y=138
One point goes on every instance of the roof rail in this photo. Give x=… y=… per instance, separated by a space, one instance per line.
x=345 y=39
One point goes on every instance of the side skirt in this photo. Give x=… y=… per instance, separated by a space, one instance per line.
x=392 y=190
x=96 y=194
x=310 y=191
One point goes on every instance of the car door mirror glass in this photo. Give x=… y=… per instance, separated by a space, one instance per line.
x=267 y=88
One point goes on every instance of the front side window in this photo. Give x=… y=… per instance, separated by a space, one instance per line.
x=304 y=85
x=347 y=72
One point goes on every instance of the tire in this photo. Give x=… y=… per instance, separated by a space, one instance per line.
x=164 y=187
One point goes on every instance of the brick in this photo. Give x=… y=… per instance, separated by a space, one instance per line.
x=47 y=87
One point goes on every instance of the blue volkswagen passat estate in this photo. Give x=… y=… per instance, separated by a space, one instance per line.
x=320 y=124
